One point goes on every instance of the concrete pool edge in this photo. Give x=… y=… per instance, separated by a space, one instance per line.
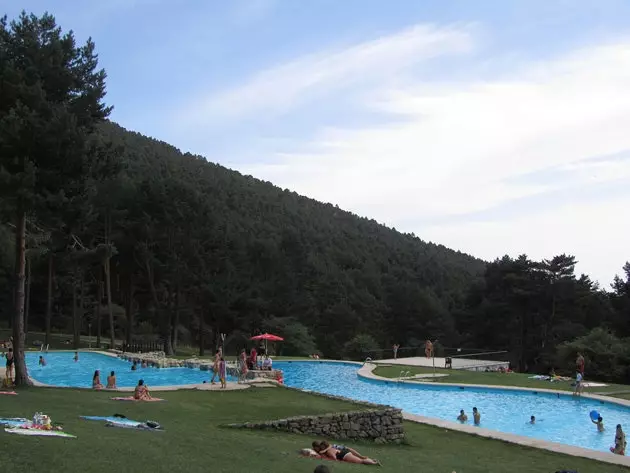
x=366 y=372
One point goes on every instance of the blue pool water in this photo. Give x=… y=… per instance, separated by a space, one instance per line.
x=61 y=370
x=559 y=418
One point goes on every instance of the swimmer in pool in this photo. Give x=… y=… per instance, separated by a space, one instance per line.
x=42 y=362
x=532 y=420
x=476 y=416
x=462 y=417
x=599 y=423
x=76 y=356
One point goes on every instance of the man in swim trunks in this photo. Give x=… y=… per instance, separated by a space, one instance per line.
x=579 y=363
x=395 y=348
x=9 y=365
x=428 y=349
x=462 y=417
x=476 y=416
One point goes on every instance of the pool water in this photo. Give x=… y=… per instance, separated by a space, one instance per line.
x=559 y=419
x=61 y=370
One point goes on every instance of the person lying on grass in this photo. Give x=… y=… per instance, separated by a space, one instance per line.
x=345 y=454
x=141 y=393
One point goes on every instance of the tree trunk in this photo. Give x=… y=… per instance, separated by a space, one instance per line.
x=49 y=298
x=99 y=302
x=108 y=290
x=75 y=313
x=27 y=304
x=165 y=327
x=21 y=372
x=178 y=296
x=130 y=309
x=202 y=331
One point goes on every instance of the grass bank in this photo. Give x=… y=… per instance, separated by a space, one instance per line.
x=493 y=379
x=194 y=440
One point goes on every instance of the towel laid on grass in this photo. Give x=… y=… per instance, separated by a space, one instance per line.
x=14 y=422
x=131 y=398
x=39 y=433
x=148 y=425
x=114 y=419
x=8 y=393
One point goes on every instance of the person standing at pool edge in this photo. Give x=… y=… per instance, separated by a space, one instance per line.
x=579 y=364
x=395 y=348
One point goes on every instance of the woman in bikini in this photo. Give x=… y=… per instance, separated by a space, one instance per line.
x=141 y=393
x=111 y=381
x=96 y=380
x=343 y=454
x=620 y=442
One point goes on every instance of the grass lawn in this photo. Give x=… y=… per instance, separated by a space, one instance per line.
x=477 y=377
x=195 y=442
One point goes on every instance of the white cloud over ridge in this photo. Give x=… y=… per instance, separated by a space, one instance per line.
x=455 y=147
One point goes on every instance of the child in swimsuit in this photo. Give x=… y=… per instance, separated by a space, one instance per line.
x=599 y=423
x=462 y=417
x=222 y=373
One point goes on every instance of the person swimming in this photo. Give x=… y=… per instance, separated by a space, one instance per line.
x=476 y=416
x=532 y=420
x=134 y=366
x=462 y=417
x=111 y=381
x=76 y=356
x=42 y=361
x=599 y=423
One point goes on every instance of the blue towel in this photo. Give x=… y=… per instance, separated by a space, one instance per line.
x=13 y=421
x=115 y=420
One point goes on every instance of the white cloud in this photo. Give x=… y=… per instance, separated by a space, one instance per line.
x=455 y=146
x=596 y=233
x=282 y=88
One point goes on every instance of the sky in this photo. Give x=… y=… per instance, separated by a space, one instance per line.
x=493 y=127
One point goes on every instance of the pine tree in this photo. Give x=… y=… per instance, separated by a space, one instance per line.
x=51 y=98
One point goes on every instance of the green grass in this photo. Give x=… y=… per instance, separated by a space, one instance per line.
x=195 y=442
x=493 y=379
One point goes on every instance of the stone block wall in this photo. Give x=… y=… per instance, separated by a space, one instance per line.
x=384 y=425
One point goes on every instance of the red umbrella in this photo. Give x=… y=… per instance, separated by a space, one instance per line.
x=268 y=337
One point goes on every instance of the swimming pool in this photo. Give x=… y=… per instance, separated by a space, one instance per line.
x=61 y=370
x=560 y=419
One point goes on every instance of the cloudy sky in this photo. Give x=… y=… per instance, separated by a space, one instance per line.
x=490 y=126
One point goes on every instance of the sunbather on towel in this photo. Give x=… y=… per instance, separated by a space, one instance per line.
x=328 y=451
x=141 y=393
x=318 y=446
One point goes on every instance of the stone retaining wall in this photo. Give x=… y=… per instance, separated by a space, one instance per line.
x=383 y=425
